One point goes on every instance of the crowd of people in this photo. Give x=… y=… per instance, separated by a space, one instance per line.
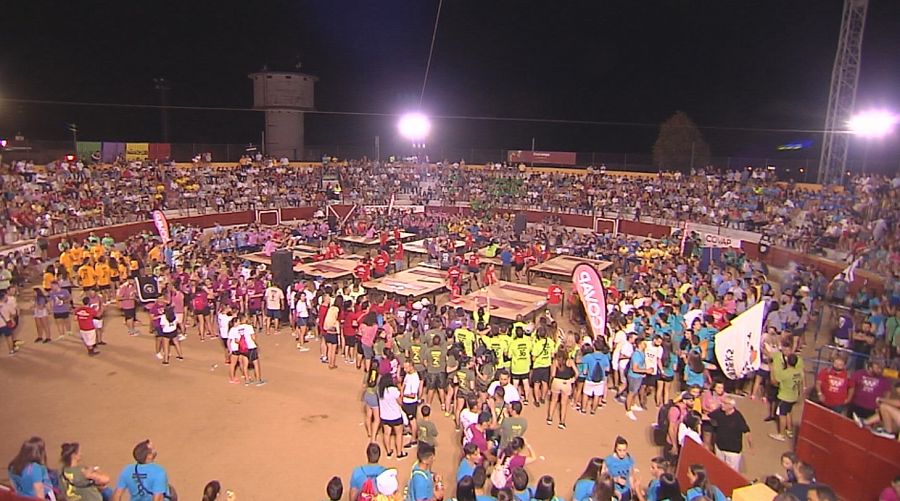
x=420 y=360
x=70 y=195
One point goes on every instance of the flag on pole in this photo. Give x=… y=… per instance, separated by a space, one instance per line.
x=391 y=204
x=849 y=272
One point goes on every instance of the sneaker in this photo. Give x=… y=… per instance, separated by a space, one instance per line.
x=637 y=408
x=310 y=337
x=778 y=436
x=411 y=445
x=302 y=349
x=261 y=382
x=183 y=337
x=47 y=340
x=631 y=415
x=769 y=418
x=18 y=342
x=159 y=356
x=562 y=426
x=881 y=432
x=93 y=353
x=234 y=381
x=134 y=333
x=180 y=359
x=12 y=352
x=101 y=343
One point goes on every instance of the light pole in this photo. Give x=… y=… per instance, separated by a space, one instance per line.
x=415 y=127
x=872 y=125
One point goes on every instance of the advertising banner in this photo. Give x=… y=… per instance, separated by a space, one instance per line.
x=111 y=151
x=137 y=151
x=593 y=296
x=86 y=150
x=162 y=225
x=713 y=241
x=541 y=157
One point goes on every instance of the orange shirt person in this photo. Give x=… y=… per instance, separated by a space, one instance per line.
x=87 y=276
x=103 y=274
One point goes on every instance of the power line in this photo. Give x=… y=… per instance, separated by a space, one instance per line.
x=606 y=123
x=437 y=18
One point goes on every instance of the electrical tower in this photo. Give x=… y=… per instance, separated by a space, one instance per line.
x=842 y=94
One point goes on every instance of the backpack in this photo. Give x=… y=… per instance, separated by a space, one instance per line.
x=408 y=493
x=243 y=348
x=368 y=492
x=199 y=301
x=597 y=374
x=661 y=428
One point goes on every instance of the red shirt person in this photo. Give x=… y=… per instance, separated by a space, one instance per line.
x=833 y=385
x=554 y=294
x=380 y=264
x=85 y=315
x=363 y=271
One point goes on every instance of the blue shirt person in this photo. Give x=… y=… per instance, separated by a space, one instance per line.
x=144 y=480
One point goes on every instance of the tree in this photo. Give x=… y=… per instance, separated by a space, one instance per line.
x=680 y=145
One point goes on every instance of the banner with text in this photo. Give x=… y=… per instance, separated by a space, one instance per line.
x=593 y=296
x=737 y=346
x=711 y=240
x=541 y=157
x=137 y=151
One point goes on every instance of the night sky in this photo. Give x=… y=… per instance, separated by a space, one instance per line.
x=740 y=63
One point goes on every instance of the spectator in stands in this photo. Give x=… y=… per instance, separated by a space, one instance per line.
x=866 y=387
x=833 y=385
x=80 y=482
x=701 y=486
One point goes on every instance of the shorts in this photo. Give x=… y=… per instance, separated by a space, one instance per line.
x=273 y=313
x=666 y=379
x=634 y=384
x=350 y=340
x=61 y=316
x=862 y=412
x=6 y=331
x=98 y=323
x=436 y=381
x=371 y=400
x=253 y=354
x=562 y=386
x=302 y=321
x=392 y=422
x=368 y=351
x=130 y=313
x=169 y=335
x=87 y=288
x=410 y=409
x=592 y=389
x=331 y=338
x=540 y=375
x=204 y=311
x=106 y=287
x=519 y=377
x=784 y=408
x=650 y=380
x=255 y=311
x=473 y=269
x=520 y=267
x=89 y=337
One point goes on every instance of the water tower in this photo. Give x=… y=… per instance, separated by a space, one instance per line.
x=284 y=96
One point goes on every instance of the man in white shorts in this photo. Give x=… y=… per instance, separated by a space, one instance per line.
x=85 y=315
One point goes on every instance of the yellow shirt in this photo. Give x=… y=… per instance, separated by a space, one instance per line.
x=48 y=277
x=77 y=254
x=87 y=275
x=123 y=272
x=97 y=250
x=65 y=259
x=103 y=274
x=155 y=253
x=133 y=265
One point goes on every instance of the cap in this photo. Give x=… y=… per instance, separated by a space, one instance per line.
x=804 y=289
x=425 y=301
x=417 y=305
x=587 y=340
x=686 y=395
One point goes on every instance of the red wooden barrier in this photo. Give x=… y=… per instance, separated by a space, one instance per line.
x=853 y=461
x=720 y=474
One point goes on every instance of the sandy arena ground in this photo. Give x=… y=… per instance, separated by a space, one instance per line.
x=284 y=440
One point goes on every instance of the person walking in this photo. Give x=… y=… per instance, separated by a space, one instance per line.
x=127 y=297
x=144 y=480
x=730 y=428
x=41 y=314
x=562 y=376
x=85 y=316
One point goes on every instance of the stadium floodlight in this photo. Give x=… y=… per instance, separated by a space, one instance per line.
x=414 y=126
x=873 y=124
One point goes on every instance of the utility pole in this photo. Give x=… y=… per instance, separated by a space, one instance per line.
x=163 y=86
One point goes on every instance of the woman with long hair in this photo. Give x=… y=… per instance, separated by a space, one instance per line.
x=516 y=454
x=41 y=316
x=669 y=363
x=80 y=482
x=562 y=375
x=584 y=486
x=465 y=489
x=604 y=489
x=669 y=488
x=28 y=470
x=695 y=373
x=332 y=327
x=545 y=490
x=391 y=414
x=701 y=486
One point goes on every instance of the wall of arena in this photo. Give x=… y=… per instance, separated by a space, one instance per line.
x=776 y=256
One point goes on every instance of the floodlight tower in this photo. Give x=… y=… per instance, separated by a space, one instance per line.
x=842 y=95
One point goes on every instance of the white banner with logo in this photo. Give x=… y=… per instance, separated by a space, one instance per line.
x=712 y=240
x=737 y=346
x=29 y=249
